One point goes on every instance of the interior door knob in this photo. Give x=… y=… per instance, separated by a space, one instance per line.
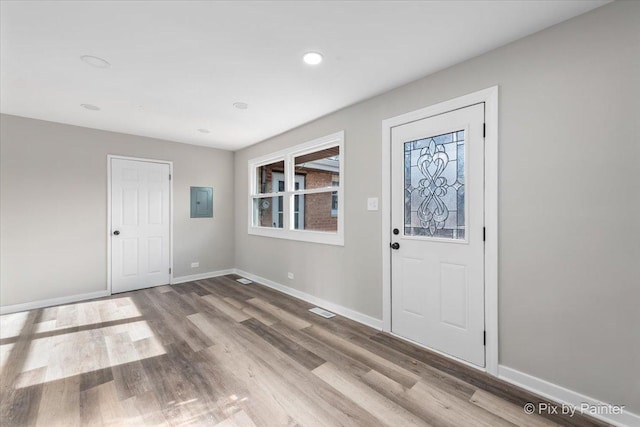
x=395 y=245
x=116 y=233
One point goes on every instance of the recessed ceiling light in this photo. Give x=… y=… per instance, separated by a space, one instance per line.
x=312 y=58
x=202 y=130
x=94 y=61
x=90 y=107
x=241 y=105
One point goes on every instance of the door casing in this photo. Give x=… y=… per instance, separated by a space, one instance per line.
x=109 y=157
x=490 y=97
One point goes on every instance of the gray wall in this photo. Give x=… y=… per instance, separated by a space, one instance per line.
x=569 y=201
x=53 y=200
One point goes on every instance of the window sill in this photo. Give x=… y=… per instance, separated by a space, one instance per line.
x=321 y=237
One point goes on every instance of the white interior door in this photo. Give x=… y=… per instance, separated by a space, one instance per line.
x=437 y=261
x=140 y=224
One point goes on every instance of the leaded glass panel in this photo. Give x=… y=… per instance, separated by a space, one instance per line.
x=434 y=185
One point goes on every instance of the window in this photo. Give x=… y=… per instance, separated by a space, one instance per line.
x=298 y=193
x=270 y=187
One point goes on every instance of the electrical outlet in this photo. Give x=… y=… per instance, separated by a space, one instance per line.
x=372 y=204
x=290 y=275
x=195 y=264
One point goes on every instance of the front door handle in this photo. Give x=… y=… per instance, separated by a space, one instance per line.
x=395 y=245
x=116 y=233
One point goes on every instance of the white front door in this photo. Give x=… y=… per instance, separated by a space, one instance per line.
x=437 y=217
x=140 y=224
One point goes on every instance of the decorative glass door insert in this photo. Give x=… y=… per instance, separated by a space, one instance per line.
x=434 y=186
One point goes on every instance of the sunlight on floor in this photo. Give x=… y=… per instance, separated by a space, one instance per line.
x=231 y=406
x=69 y=316
x=77 y=353
x=12 y=324
x=5 y=350
x=88 y=313
x=59 y=350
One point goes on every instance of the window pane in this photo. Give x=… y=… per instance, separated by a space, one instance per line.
x=334 y=203
x=267 y=178
x=314 y=212
x=321 y=169
x=268 y=212
x=434 y=185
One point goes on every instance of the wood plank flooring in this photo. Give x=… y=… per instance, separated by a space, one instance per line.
x=218 y=353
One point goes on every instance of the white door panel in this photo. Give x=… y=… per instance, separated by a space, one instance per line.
x=453 y=294
x=437 y=195
x=140 y=224
x=413 y=293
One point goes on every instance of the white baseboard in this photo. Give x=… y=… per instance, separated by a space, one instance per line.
x=560 y=394
x=201 y=276
x=338 y=309
x=6 y=309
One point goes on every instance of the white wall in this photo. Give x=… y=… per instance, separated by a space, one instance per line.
x=53 y=200
x=569 y=201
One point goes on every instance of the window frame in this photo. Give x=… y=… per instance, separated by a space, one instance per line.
x=288 y=155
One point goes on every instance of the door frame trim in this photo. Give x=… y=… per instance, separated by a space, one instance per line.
x=139 y=159
x=490 y=97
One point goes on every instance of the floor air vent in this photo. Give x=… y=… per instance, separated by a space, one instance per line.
x=320 y=312
x=244 y=281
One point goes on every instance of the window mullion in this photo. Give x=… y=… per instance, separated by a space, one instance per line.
x=267 y=195
x=318 y=190
x=288 y=186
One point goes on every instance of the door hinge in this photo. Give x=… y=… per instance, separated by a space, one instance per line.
x=484 y=130
x=169 y=177
x=169 y=271
x=484 y=338
x=484 y=234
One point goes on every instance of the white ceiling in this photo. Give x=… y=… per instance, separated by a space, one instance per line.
x=179 y=66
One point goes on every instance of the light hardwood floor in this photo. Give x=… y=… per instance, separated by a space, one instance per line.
x=215 y=352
